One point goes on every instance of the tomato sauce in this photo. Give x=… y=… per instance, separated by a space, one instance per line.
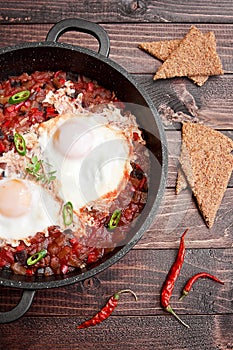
x=66 y=252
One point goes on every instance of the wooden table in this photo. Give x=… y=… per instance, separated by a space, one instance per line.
x=51 y=321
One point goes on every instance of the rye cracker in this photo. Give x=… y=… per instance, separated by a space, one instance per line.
x=195 y=56
x=207 y=163
x=162 y=50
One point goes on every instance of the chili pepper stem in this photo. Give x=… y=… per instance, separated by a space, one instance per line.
x=127 y=291
x=184 y=294
x=169 y=309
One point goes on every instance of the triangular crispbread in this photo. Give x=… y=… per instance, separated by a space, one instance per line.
x=195 y=55
x=160 y=49
x=207 y=163
x=163 y=48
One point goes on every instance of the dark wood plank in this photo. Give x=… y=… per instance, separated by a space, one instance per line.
x=145 y=273
x=120 y=333
x=176 y=213
x=211 y=104
x=117 y=11
x=124 y=40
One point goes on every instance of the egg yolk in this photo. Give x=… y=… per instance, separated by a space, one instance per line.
x=15 y=198
x=73 y=139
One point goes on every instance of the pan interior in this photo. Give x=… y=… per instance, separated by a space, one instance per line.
x=54 y=56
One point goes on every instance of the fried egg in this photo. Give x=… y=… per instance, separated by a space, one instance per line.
x=25 y=208
x=91 y=156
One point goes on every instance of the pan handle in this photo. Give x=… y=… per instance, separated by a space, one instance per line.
x=20 y=309
x=81 y=25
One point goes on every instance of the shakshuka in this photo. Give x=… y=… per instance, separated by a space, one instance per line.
x=73 y=172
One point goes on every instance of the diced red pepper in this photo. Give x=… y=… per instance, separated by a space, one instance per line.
x=135 y=136
x=142 y=183
x=94 y=255
x=73 y=241
x=29 y=272
x=20 y=247
x=37 y=115
x=90 y=86
x=64 y=269
x=62 y=81
x=51 y=112
x=6 y=124
x=10 y=109
x=2 y=147
x=19 y=105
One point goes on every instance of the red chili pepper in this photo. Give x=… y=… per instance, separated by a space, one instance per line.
x=193 y=279
x=169 y=283
x=107 y=310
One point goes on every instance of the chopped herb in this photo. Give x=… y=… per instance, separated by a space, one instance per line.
x=36 y=169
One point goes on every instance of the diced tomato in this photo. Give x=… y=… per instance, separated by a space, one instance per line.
x=64 y=251
x=94 y=255
x=20 y=247
x=36 y=115
x=90 y=86
x=6 y=257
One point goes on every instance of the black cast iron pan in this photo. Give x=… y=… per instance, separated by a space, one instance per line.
x=52 y=55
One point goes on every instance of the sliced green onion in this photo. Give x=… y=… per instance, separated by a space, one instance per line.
x=19 y=97
x=20 y=144
x=115 y=218
x=33 y=259
x=68 y=213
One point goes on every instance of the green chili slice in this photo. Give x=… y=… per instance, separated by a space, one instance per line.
x=19 y=97
x=68 y=213
x=114 y=220
x=33 y=259
x=20 y=144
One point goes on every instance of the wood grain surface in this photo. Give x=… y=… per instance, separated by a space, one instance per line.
x=51 y=322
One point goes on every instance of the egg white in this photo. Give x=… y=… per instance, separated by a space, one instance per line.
x=41 y=211
x=91 y=156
